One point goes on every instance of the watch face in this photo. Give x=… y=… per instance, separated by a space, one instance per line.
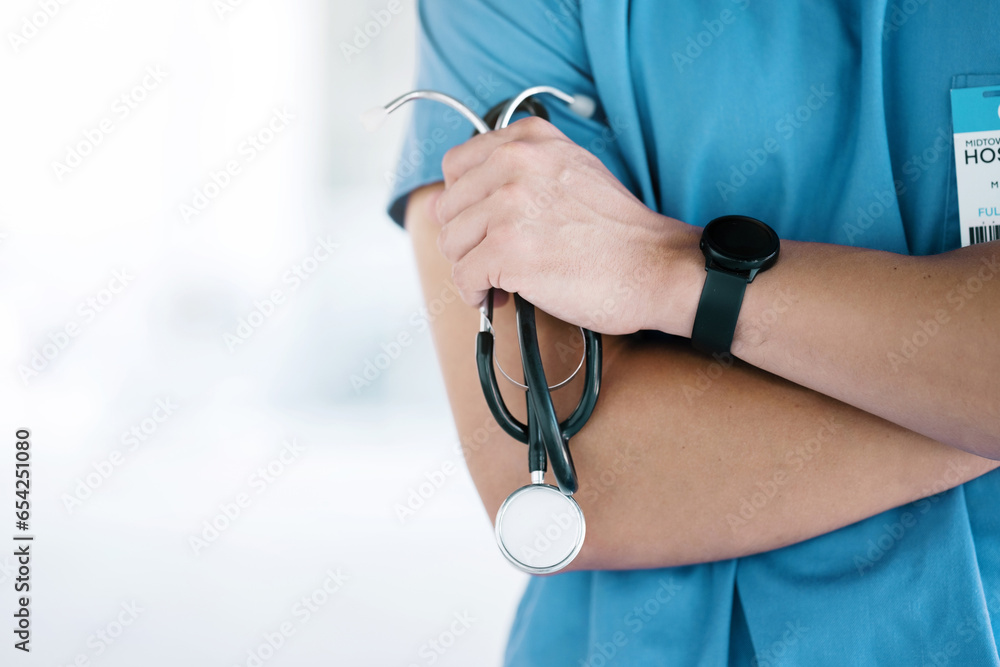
x=741 y=237
x=740 y=243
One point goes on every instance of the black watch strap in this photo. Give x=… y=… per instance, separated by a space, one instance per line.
x=718 y=311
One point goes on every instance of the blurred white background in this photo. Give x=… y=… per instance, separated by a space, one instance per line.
x=173 y=177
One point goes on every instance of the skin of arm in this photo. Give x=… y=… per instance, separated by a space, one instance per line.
x=679 y=443
x=913 y=340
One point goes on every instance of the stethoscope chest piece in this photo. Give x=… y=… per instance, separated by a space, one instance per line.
x=539 y=529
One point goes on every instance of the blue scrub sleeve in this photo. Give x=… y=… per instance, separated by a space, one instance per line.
x=483 y=52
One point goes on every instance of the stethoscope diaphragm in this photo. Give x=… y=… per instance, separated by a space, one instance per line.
x=539 y=529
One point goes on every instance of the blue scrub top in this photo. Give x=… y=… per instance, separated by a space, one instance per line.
x=830 y=120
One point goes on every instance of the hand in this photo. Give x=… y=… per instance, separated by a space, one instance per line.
x=526 y=210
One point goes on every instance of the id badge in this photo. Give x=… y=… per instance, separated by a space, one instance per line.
x=976 y=123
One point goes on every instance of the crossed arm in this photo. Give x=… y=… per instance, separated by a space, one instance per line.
x=685 y=460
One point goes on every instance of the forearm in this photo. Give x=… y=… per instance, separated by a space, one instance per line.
x=667 y=460
x=915 y=340
x=911 y=339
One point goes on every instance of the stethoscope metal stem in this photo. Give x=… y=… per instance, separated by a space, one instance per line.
x=511 y=108
x=469 y=114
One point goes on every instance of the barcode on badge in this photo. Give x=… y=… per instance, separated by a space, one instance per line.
x=984 y=233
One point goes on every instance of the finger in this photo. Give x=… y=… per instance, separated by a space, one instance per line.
x=475 y=185
x=473 y=152
x=460 y=159
x=465 y=231
x=468 y=229
x=476 y=273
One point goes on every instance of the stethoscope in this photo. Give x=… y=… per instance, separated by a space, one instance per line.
x=540 y=528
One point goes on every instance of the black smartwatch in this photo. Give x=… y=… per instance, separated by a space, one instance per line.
x=736 y=249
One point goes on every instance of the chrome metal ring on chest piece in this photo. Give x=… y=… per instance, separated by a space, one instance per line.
x=539 y=529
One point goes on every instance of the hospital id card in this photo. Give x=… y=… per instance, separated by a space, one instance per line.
x=976 y=124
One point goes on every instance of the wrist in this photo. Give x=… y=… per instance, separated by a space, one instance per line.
x=678 y=278
x=736 y=249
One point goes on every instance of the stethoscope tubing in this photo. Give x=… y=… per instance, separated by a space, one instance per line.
x=546 y=422
x=547 y=438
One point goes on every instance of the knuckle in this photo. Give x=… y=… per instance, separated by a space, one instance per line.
x=503 y=231
x=441 y=210
x=513 y=193
x=512 y=153
x=459 y=278
x=514 y=203
x=535 y=125
x=443 y=241
x=449 y=163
